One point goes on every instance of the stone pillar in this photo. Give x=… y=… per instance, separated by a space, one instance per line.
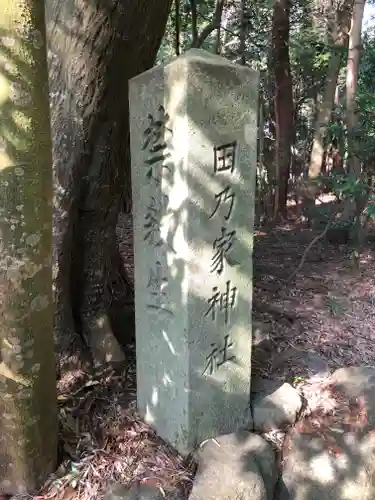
x=193 y=148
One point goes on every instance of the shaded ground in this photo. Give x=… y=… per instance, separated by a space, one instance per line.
x=328 y=309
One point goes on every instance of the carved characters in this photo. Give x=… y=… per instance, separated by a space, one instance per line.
x=222 y=300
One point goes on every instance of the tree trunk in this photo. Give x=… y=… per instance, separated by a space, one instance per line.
x=354 y=55
x=95 y=50
x=28 y=402
x=243 y=33
x=337 y=33
x=354 y=163
x=324 y=116
x=283 y=100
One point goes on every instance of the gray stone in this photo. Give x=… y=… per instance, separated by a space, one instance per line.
x=193 y=362
x=315 y=365
x=261 y=387
x=235 y=466
x=312 y=470
x=136 y=492
x=358 y=382
x=335 y=460
x=262 y=346
x=261 y=336
x=118 y=492
x=276 y=409
x=301 y=362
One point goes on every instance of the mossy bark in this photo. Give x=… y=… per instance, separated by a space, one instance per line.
x=28 y=403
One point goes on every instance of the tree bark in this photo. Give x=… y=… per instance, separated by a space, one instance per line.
x=337 y=33
x=283 y=100
x=324 y=116
x=177 y=26
x=354 y=163
x=28 y=402
x=354 y=55
x=194 y=27
x=95 y=50
x=243 y=32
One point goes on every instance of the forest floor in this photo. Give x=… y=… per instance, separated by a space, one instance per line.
x=328 y=309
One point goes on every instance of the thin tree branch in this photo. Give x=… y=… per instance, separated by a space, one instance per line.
x=310 y=245
x=211 y=26
x=257 y=45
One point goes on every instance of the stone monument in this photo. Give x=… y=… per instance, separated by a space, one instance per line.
x=193 y=127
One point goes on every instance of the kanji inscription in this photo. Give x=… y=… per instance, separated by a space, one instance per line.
x=223 y=300
x=219 y=356
x=156 y=145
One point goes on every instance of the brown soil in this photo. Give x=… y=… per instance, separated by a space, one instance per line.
x=328 y=308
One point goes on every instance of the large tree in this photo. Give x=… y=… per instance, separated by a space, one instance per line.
x=354 y=54
x=337 y=19
x=352 y=113
x=28 y=403
x=96 y=47
x=283 y=100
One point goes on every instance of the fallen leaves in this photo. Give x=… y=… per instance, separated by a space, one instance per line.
x=106 y=442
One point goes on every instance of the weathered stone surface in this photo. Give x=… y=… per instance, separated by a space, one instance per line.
x=261 y=347
x=358 y=382
x=261 y=336
x=137 y=492
x=193 y=145
x=314 y=471
x=274 y=407
x=300 y=362
x=336 y=459
x=315 y=365
x=238 y=465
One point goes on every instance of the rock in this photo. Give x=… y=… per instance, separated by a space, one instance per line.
x=336 y=459
x=261 y=336
x=315 y=365
x=136 y=492
x=238 y=465
x=261 y=386
x=118 y=492
x=358 y=382
x=301 y=362
x=313 y=470
x=275 y=408
x=261 y=352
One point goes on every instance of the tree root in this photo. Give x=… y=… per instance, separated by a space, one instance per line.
x=310 y=245
x=308 y=248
